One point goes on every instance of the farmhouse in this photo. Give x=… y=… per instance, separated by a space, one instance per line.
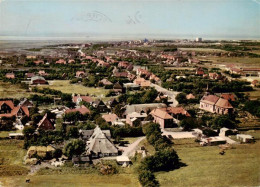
x=100 y=146
x=77 y=99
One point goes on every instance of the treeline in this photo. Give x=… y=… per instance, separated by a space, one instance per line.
x=164 y=159
x=147 y=96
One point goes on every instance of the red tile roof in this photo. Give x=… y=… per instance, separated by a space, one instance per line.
x=160 y=114
x=223 y=103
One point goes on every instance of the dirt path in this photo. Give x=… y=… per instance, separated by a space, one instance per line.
x=130 y=150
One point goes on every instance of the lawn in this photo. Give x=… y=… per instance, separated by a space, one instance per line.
x=66 y=87
x=4 y=134
x=206 y=167
x=8 y=90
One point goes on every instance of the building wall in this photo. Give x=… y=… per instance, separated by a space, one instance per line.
x=207 y=107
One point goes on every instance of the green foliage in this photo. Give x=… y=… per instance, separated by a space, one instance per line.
x=147 y=178
x=191 y=123
x=74 y=147
x=253 y=107
x=223 y=121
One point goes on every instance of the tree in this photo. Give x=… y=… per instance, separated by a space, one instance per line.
x=181 y=98
x=147 y=178
x=223 y=121
x=72 y=132
x=189 y=124
x=74 y=147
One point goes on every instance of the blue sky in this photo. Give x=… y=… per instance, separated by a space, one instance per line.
x=234 y=19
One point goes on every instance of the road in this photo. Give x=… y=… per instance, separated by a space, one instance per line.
x=171 y=94
x=130 y=149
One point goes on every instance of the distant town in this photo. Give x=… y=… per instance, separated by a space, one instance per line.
x=131 y=113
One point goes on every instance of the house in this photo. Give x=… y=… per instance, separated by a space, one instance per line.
x=142 y=82
x=38 y=80
x=99 y=145
x=245 y=138
x=135 y=118
x=42 y=73
x=110 y=118
x=82 y=109
x=228 y=96
x=81 y=160
x=100 y=105
x=118 y=88
x=142 y=108
x=162 y=118
x=103 y=64
x=120 y=74
x=29 y=75
x=176 y=112
x=6 y=106
x=10 y=75
x=199 y=71
x=71 y=61
x=61 y=61
x=106 y=82
x=86 y=134
x=38 y=62
x=7 y=109
x=112 y=102
x=190 y=96
x=77 y=99
x=123 y=64
x=255 y=83
x=214 y=104
x=45 y=124
x=80 y=74
x=26 y=103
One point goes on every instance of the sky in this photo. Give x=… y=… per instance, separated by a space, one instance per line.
x=212 y=19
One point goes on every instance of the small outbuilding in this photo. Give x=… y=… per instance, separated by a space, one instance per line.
x=245 y=138
x=123 y=160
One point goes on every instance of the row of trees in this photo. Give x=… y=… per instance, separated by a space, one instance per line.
x=164 y=159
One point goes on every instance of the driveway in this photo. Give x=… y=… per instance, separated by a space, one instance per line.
x=171 y=94
x=131 y=148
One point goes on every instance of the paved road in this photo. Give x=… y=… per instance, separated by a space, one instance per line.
x=171 y=94
x=178 y=135
x=130 y=149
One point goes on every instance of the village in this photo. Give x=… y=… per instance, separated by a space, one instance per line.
x=93 y=104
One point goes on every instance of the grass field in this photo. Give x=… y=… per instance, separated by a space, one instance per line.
x=241 y=61
x=8 y=90
x=206 y=167
x=66 y=87
x=73 y=180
